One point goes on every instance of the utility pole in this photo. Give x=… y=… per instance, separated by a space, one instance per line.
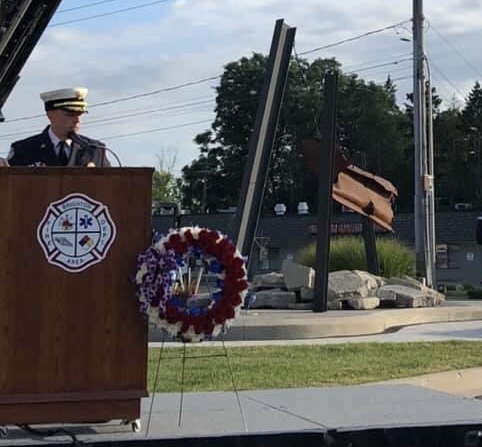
x=418 y=133
x=429 y=185
x=424 y=210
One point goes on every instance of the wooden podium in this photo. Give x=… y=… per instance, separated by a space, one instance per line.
x=73 y=345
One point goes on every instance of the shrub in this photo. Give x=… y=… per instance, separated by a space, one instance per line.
x=348 y=253
x=395 y=258
x=475 y=293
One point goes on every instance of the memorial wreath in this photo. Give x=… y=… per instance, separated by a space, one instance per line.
x=169 y=294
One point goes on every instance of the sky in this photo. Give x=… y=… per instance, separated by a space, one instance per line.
x=151 y=67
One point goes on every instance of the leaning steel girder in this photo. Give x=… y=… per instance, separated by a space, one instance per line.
x=22 y=23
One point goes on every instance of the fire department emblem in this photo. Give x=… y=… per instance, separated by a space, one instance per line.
x=76 y=232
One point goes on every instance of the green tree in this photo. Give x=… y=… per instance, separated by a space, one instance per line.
x=368 y=120
x=165 y=186
x=472 y=112
x=472 y=128
x=451 y=159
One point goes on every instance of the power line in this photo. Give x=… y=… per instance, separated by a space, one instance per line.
x=375 y=77
x=176 y=87
x=167 y=89
x=401 y=78
x=159 y=129
x=351 y=39
x=469 y=64
x=163 y=90
x=128 y=98
x=85 y=6
x=146 y=108
x=117 y=11
x=441 y=89
x=146 y=112
x=172 y=88
x=380 y=65
x=446 y=79
x=155 y=92
x=376 y=61
x=87 y=125
x=188 y=109
x=200 y=111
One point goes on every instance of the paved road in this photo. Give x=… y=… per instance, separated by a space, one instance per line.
x=464 y=330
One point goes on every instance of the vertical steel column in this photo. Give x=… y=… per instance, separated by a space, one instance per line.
x=370 y=240
x=325 y=187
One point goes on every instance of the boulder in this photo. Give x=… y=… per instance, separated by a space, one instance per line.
x=373 y=282
x=273 y=299
x=271 y=280
x=405 y=296
x=369 y=303
x=297 y=276
x=357 y=289
x=406 y=281
x=306 y=294
x=345 y=284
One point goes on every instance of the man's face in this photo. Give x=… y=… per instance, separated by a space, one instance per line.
x=64 y=121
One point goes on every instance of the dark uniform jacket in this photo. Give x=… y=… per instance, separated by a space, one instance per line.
x=38 y=150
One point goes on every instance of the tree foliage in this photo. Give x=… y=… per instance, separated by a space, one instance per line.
x=165 y=186
x=372 y=129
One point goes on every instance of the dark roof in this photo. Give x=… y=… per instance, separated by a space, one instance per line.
x=292 y=230
x=220 y=222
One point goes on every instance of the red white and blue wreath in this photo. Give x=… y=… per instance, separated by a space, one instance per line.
x=169 y=298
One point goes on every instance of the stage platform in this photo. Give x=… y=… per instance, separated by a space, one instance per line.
x=363 y=415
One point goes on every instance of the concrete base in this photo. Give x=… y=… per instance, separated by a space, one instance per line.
x=305 y=324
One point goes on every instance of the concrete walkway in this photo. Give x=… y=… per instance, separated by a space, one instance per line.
x=461 y=382
x=305 y=324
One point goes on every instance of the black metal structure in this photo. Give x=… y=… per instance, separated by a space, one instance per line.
x=369 y=237
x=22 y=23
x=326 y=170
x=262 y=139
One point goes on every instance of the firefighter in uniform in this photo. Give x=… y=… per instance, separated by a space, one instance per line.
x=59 y=144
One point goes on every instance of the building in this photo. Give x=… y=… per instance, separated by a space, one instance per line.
x=279 y=237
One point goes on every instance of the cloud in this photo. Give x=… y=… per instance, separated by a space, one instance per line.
x=181 y=41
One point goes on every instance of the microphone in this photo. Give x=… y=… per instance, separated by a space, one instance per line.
x=114 y=155
x=86 y=144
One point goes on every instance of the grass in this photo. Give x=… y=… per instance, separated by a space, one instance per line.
x=269 y=367
x=348 y=253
